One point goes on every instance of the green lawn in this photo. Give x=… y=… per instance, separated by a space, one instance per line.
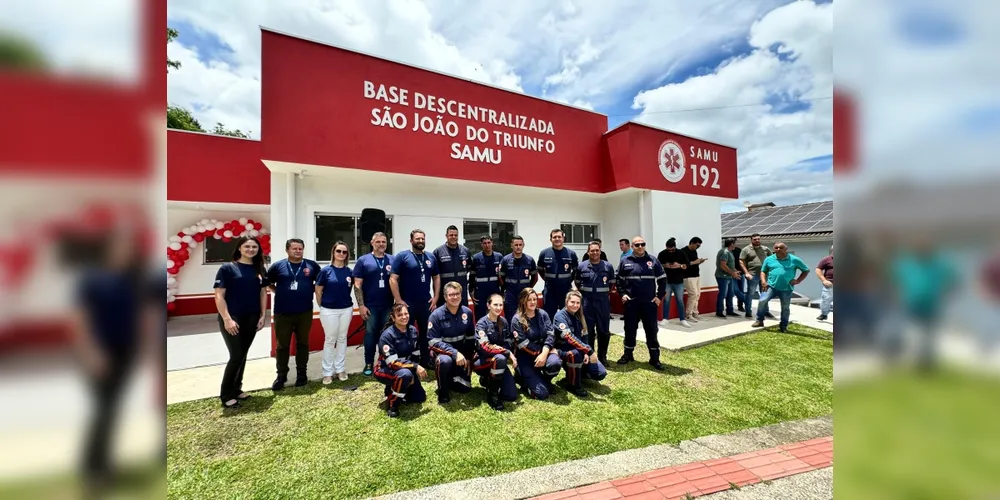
x=912 y=436
x=326 y=442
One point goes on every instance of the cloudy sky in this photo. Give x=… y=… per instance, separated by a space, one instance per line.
x=752 y=74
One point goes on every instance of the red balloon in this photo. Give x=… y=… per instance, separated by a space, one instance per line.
x=199 y=237
x=220 y=232
x=171 y=306
x=257 y=225
x=234 y=223
x=266 y=238
x=227 y=240
x=183 y=246
x=174 y=270
x=180 y=234
x=183 y=255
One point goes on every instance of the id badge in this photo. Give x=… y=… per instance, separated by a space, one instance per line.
x=423 y=278
x=294 y=286
x=381 y=283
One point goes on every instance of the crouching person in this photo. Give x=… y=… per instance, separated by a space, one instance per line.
x=493 y=354
x=579 y=358
x=450 y=336
x=399 y=362
x=534 y=340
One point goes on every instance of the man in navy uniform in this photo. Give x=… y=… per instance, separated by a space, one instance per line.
x=451 y=331
x=594 y=281
x=517 y=272
x=371 y=290
x=413 y=273
x=453 y=264
x=642 y=286
x=293 y=282
x=557 y=265
x=483 y=276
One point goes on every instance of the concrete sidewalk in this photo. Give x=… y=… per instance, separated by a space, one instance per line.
x=750 y=447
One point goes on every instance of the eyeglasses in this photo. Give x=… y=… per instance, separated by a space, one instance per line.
x=452 y=295
x=340 y=252
x=637 y=245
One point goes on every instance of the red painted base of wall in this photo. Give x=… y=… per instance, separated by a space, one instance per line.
x=194 y=305
x=18 y=338
x=317 y=337
x=706 y=304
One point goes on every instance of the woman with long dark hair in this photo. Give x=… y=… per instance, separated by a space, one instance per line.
x=241 y=299
x=398 y=361
x=579 y=358
x=537 y=361
x=336 y=308
x=494 y=351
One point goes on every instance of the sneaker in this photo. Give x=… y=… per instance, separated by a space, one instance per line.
x=279 y=384
x=692 y=319
x=393 y=413
x=368 y=371
x=327 y=380
x=757 y=324
x=720 y=315
x=783 y=329
x=685 y=324
x=821 y=317
x=732 y=314
x=342 y=376
x=740 y=307
x=301 y=380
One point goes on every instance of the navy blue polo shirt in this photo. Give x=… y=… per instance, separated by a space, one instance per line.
x=242 y=285
x=282 y=274
x=113 y=300
x=337 y=287
x=374 y=273
x=410 y=267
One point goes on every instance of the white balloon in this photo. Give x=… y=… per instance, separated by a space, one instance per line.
x=204 y=222
x=174 y=238
x=217 y=236
x=187 y=239
x=187 y=230
x=254 y=233
x=193 y=244
x=228 y=234
x=249 y=226
x=220 y=225
x=243 y=220
x=263 y=230
x=170 y=264
x=175 y=246
x=213 y=221
x=171 y=281
x=171 y=298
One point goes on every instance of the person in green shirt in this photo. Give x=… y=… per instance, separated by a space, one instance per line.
x=777 y=279
x=725 y=274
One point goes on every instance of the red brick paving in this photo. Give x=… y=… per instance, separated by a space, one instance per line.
x=709 y=476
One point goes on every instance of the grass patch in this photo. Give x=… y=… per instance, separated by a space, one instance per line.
x=325 y=442
x=905 y=435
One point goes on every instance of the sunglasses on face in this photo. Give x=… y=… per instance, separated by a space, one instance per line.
x=340 y=252
x=637 y=245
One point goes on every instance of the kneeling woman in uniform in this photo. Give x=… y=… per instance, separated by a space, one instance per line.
x=537 y=359
x=493 y=345
x=398 y=361
x=578 y=357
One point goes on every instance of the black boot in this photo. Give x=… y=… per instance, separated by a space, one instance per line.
x=626 y=358
x=493 y=394
x=577 y=390
x=279 y=384
x=301 y=380
x=553 y=390
x=443 y=397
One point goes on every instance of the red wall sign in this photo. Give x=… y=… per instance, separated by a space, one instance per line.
x=327 y=106
x=649 y=158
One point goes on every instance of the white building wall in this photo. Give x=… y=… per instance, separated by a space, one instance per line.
x=197 y=277
x=684 y=216
x=621 y=220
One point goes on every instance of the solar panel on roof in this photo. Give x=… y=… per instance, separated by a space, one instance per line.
x=812 y=217
x=799 y=227
x=778 y=228
x=823 y=225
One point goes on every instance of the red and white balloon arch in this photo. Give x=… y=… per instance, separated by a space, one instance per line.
x=179 y=247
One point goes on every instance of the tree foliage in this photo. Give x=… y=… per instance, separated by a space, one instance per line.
x=222 y=130
x=171 y=35
x=20 y=54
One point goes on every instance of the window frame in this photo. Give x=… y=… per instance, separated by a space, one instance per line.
x=568 y=241
x=490 y=223
x=316 y=214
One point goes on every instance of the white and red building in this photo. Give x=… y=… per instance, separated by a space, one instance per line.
x=343 y=131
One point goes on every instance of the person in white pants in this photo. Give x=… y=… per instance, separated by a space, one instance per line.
x=333 y=293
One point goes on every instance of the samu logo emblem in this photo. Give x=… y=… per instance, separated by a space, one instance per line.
x=671 y=160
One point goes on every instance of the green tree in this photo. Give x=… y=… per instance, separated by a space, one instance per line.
x=181 y=119
x=171 y=35
x=221 y=130
x=19 y=53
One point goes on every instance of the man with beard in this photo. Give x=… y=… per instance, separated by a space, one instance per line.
x=413 y=273
x=558 y=266
x=453 y=264
x=751 y=259
x=777 y=279
x=483 y=276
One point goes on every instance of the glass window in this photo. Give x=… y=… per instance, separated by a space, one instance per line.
x=580 y=234
x=218 y=251
x=333 y=228
x=501 y=232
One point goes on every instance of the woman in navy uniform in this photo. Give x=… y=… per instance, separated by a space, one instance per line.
x=493 y=345
x=578 y=357
x=241 y=299
x=399 y=361
x=537 y=360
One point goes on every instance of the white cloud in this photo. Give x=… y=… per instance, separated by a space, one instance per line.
x=729 y=105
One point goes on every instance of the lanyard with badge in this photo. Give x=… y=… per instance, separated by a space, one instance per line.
x=420 y=262
x=295 y=275
x=381 y=270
